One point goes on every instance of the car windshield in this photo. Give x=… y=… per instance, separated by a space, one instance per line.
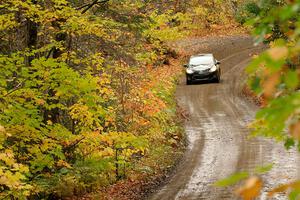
x=201 y=60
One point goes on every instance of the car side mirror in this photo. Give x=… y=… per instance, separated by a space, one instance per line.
x=186 y=65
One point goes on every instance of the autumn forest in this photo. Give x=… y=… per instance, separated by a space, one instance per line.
x=87 y=90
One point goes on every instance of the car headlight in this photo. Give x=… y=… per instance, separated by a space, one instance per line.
x=213 y=68
x=189 y=71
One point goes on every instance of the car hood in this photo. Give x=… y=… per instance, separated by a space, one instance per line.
x=201 y=67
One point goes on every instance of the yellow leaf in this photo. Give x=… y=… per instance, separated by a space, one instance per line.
x=284 y=188
x=278 y=53
x=251 y=189
x=2 y=129
x=62 y=163
x=40 y=101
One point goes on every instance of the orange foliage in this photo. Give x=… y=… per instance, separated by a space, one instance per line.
x=251 y=189
x=142 y=102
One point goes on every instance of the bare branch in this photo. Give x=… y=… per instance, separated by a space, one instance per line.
x=73 y=144
x=17 y=87
x=89 y=5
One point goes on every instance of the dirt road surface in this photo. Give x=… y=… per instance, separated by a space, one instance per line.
x=217 y=133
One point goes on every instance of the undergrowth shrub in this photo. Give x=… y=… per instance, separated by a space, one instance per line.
x=246 y=12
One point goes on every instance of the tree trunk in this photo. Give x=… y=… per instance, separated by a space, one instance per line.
x=32 y=36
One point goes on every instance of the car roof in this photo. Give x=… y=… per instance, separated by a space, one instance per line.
x=203 y=55
x=205 y=58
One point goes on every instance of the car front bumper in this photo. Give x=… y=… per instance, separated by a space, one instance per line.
x=202 y=76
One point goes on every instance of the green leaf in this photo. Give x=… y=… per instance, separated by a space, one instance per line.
x=264 y=169
x=291 y=79
x=255 y=85
x=294 y=195
x=233 y=179
x=289 y=143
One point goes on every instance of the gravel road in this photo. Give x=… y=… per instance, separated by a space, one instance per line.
x=217 y=129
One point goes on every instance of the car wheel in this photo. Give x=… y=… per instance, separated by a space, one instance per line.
x=188 y=82
x=217 y=79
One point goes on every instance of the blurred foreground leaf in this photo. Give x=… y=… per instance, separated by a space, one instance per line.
x=264 y=169
x=295 y=186
x=233 y=179
x=251 y=189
